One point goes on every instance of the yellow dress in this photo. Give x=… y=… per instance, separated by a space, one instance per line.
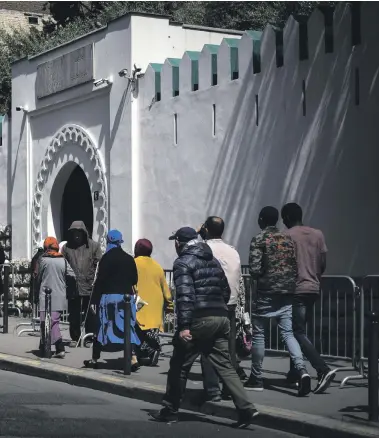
x=153 y=288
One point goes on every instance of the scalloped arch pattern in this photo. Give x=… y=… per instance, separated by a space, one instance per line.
x=77 y=135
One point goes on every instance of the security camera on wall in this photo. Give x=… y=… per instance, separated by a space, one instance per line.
x=123 y=73
x=102 y=81
x=22 y=108
x=137 y=68
x=98 y=82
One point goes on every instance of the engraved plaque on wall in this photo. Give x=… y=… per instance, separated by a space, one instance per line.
x=65 y=72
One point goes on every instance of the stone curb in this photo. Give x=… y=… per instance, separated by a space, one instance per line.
x=308 y=425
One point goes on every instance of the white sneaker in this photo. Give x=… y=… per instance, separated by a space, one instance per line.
x=60 y=355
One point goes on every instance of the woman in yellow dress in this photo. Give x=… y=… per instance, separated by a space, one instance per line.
x=154 y=291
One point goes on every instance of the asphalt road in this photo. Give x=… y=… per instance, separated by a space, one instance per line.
x=32 y=407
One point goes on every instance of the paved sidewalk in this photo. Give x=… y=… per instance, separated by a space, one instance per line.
x=346 y=407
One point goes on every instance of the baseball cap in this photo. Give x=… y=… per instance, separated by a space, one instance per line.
x=184 y=234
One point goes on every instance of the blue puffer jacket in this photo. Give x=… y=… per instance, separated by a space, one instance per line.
x=201 y=286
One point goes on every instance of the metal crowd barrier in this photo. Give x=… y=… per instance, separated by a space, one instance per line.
x=12 y=272
x=35 y=324
x=368 y=302
x=333 y=324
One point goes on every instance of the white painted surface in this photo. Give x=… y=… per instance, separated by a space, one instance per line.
x=5 y=176
x=326 y=160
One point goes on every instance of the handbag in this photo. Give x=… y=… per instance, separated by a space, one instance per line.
x=243 y=343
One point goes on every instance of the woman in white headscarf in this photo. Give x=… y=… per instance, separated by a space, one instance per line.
x=62 y=244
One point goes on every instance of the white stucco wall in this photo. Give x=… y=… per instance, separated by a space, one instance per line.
x=326 y=160
x=103 y=113
x=4 y=173
x=108 y=117
x=155 y=39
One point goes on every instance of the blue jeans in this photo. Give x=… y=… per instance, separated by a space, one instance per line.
x=280 y=308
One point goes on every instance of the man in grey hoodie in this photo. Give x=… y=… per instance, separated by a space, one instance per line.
x=83 y=255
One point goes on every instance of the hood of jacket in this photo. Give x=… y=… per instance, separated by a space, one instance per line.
x=197 y=249
x=78 y=225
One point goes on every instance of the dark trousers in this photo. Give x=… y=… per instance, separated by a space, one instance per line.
x=77 y=309
x=210 y=336
x=210 y=378
x=302 y=312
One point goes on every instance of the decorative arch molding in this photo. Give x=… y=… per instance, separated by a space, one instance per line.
x=77 y=135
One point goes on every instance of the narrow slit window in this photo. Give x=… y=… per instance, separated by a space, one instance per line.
x=304 y=98
x=175 y=129
x=256 y=110
x=357 y=96
x=214 y=120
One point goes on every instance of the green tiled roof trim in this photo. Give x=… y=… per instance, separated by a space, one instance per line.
x=256 y=36
x=194 y=57
x=157 y=69
x=175 y=62
x=233 y=44
x=1 y=129
x=213 y=50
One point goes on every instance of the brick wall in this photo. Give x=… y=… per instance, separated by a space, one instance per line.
x=15 y=19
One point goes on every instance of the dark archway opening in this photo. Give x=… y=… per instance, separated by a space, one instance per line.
x=76 y=202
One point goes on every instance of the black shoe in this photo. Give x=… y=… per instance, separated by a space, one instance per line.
x=246 y=418
x=304 y=384
x=165 y=415
x=155 y=358
x=324 y=380
x=292 y=379
x=253 y=384
x=225 y=395
x=91 y=364
x=241 y=374
x=216 y=398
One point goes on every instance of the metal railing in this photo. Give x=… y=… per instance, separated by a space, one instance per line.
x=34 y=325
x=368 y=302
x=332 y=328
x=11 y=305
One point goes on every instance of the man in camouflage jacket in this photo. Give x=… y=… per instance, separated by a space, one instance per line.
x=273 y=268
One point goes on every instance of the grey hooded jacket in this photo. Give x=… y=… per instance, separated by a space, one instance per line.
x=83 y=259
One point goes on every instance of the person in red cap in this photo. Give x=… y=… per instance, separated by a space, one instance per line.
x=202 y=294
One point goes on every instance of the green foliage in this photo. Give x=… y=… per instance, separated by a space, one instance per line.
x=73 y=19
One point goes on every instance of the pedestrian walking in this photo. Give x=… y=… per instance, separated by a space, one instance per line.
x=152 y=289
x=272 y=264
x=311 y=263
x=83 y=255
x=116 y=277
x=202 y=294
x=33 y=289
x=53 y=272
x=211 y=232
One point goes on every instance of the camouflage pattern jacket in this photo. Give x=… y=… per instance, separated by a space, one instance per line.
x=272 y=262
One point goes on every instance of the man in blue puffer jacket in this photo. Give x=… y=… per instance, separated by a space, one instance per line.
x=202 y=294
